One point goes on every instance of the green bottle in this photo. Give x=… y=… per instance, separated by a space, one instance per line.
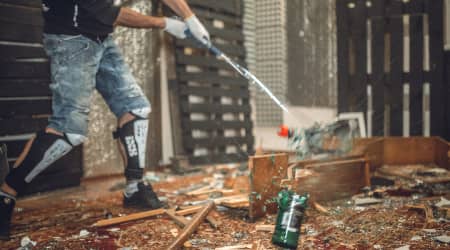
x=291 y=210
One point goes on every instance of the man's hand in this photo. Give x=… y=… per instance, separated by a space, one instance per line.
x=176 y=28
x=197 y=29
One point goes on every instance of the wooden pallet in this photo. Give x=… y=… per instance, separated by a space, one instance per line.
x=213 y=100
x=388 y=75
x=25 y=97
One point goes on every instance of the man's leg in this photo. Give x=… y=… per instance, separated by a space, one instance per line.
x=73 y=70
x=127 y=101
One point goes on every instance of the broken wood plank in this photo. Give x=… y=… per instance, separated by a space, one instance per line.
x=127 y=218
x=188 y=211
x=236 y=203
x=266 y=173
x=320 y=208
x=193 y=225
x=246 y=246
x=178 y=219
x=265 y=228
x=212 y=219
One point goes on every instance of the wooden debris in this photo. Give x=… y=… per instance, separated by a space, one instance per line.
x=266 y=173
x=127 y=218
x=320 y=208
x=178 y=219
x=236 y=203
x=212 y=219
x=258 y=245
x=199 y=191
x=429 y=218
x=193 y=225
x=219 y=201
x=188 y=211
x=265 y=228
x=247 y=246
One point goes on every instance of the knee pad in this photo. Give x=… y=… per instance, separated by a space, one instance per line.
x=45 y=150
x=133 y=136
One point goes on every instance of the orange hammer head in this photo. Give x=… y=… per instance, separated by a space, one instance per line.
x=283 y=131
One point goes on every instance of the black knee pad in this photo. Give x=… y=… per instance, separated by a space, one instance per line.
x=45 y=150
x=133 y=136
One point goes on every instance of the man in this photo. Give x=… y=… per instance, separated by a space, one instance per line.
x=84 y=57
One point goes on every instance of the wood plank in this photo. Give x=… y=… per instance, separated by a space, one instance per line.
x=342 y=19
x=25 y=69
x=20 y=32
x=232 y=50
x=266 y=173
x=416 y=72
x=203 y=61
x=229 y=34
x=378 y=65
x=192 y=227
x=190 y=142
x=332 y=180
x=232 y=7
x=211 y=78
x=218 y=158
x=213 y=125
x=128 y=218
x=24 y=87
x=439 y=88
x=21 y=14
x=358 y=87
x=29 y=3
x=207 y=14
x=395 y=79
x=213 y=92
x=11 y=52
x=22 y=126
x=214 y=108
x=12 y=108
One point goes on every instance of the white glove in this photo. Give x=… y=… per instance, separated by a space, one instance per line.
x=197 y=29
x=176 y=27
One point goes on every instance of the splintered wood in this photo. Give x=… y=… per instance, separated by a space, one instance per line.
x=191 y=227
x=266 y=174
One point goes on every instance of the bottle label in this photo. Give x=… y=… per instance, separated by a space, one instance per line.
x=290 y=221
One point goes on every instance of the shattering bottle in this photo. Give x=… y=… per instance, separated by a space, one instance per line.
x=291 y=210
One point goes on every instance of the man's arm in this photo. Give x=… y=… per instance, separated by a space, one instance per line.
x=180 y=7
x=133 y=19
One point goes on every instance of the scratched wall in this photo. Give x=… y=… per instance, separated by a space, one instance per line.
x=100 y=154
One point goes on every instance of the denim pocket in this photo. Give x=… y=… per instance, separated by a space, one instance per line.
x=65 y=47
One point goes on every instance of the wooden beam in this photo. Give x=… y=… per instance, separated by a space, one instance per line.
x=266 y=173
x=193 y=225
x=127 y=218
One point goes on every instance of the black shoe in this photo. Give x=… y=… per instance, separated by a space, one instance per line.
x=6 y=210
x=4 y=167
x=144 y=198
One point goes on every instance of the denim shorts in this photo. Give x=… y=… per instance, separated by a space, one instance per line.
x=78 y=67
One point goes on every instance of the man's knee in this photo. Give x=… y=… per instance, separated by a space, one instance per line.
x=45 y=149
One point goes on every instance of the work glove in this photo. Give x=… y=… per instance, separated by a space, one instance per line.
x=175 y=27
x=197 y=29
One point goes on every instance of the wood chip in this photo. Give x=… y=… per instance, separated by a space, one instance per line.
x=265 y=228
x=247 y=246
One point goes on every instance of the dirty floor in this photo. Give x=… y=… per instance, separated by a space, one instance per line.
x=63 y=219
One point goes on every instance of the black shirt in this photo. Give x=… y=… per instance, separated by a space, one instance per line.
x=92 y=18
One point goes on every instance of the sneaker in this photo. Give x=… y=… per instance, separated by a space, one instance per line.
x=145 y=198
x=4 y=167
x=6 y=210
